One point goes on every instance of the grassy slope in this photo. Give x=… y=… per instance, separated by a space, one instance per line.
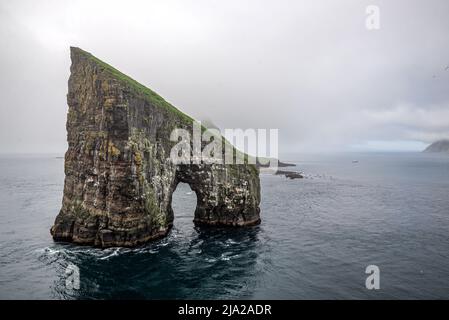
x=152 y=96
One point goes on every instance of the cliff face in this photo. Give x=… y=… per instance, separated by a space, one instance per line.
x=438 y=146
x=119 y=177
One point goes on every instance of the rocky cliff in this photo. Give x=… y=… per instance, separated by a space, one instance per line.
x=438 y=146
x=119 y=179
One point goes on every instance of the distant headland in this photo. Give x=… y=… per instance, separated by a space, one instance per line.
x=438 y=146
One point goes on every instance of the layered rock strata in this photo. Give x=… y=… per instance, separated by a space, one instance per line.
x=119 y=178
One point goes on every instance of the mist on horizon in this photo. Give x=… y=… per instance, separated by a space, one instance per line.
x=313 y=70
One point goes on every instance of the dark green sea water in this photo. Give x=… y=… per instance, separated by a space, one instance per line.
x=316 y=238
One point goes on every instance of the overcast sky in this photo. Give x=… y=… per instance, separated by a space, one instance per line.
x=310 y=68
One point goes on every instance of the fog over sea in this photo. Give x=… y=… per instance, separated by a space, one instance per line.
x=317 y=236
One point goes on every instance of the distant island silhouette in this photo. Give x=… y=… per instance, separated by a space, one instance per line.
x=438 y=146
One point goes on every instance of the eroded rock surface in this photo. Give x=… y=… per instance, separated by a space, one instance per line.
x=119 y=178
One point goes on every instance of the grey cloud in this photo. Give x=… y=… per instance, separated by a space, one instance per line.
x=309 y=68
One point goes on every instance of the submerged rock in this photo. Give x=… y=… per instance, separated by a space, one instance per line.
x=119 y=178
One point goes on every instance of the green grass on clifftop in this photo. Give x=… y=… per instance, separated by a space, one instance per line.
x=152 y=96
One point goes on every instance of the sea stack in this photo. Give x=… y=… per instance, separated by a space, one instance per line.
x=119 y=179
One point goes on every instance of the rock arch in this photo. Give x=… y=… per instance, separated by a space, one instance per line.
x=119 y=179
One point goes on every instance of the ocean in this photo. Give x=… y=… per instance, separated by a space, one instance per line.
x=317 y=236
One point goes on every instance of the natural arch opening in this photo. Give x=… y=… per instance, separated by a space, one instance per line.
x=183 y=203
